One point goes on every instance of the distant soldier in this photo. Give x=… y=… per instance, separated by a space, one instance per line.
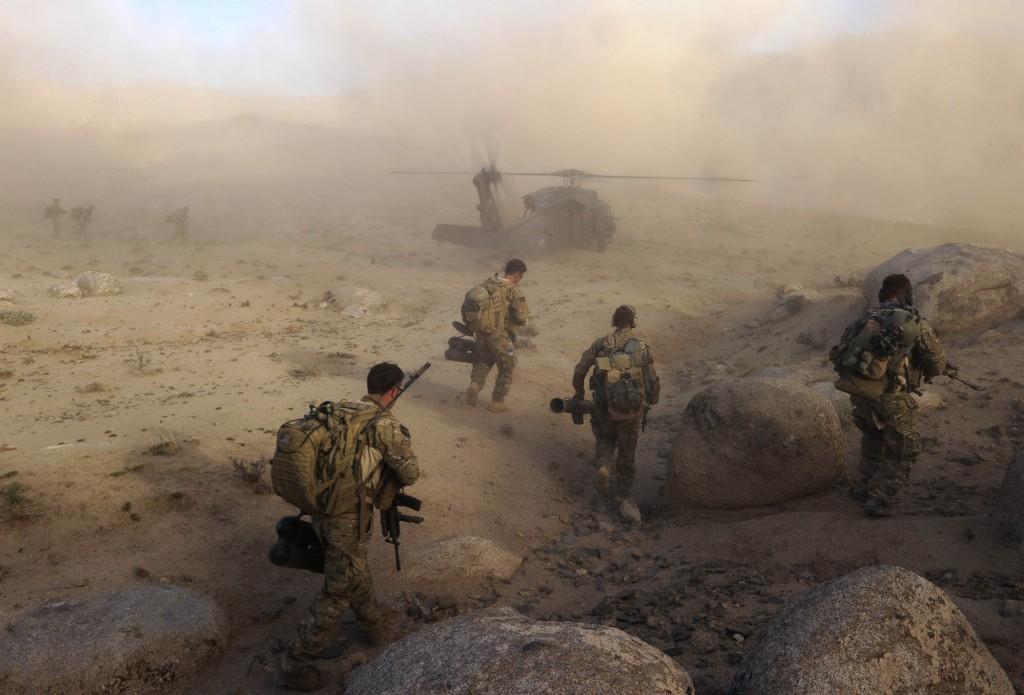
x=347 y=581
x=82 y=218
x=625 y=386
x=54 y=212
x=881 y=360
x=493 y=311
x=179 y=218
x=489 y=217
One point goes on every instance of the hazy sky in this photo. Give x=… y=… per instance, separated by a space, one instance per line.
x=318 y=47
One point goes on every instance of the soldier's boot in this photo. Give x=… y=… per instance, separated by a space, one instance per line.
x=876 y=507
x=859 y=492
x=383 y=631
x=472 y=395
x=307 y=680
x=497 y=406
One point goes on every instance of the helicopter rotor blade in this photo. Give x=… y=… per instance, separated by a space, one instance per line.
x=723 y=179
x=491 y=148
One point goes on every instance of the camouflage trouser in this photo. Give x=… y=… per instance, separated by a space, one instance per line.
x=623 y=435
x=347 y=584
x=495 y=349
x=889 y=443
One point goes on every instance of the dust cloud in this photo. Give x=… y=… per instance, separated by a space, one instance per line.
x=915 y=116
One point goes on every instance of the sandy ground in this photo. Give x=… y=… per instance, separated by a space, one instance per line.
x=215 y=365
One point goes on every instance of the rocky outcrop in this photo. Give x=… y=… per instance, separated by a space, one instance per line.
x=354 y=302
x=877 y=630
x=500 y=652
x=91 y=283
x=958 y=287
x=751 y=442
x=140 y=639
x=462 y=557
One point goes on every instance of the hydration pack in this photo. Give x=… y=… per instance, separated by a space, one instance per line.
x=875 y=349
x=322 y=464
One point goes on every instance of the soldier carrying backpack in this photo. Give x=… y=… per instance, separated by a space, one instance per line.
x=493 y=311
x=625 y=386
x=337 y=464
x=881 y=361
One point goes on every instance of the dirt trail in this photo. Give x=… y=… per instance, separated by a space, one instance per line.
x=212 y=366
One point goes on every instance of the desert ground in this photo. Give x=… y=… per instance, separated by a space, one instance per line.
x=124 y=417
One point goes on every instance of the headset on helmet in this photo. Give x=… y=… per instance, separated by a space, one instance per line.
x=621 y=312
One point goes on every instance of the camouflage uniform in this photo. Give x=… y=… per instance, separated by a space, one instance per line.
x=890 y=442
x=506 y=310
x=347 y=580
x=611 y=434
x=54 y=212
x=179 y=218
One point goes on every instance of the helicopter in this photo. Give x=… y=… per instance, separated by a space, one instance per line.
x=566 y=215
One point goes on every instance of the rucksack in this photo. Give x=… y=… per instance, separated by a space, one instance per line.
x=483 y=309
x=874 y=348
x=620 y=376
x=314 y=465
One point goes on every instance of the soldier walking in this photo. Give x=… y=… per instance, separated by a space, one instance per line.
x=82 y=217
x=882 y=359
x=625 y=385
x=345 y=535
x=54 y=212
x=179 y=218
x=493 y=311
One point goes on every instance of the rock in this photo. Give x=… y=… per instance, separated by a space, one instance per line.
x=7 y=296
x=751 y=442
x=630 y=512
x=840 y=401
x=66 y=289
x=140 y=639
x=1008 y=513
x=958 y=287
x=500 y=652
x=354 y=302
x=96 y=284
x=461 y=557
x=791 y=299
x=877 y=630
x=928 y=400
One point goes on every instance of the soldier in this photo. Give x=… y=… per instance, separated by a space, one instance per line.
x=179 y=218
x=347 y=581
x=54 y=212
x=881 y=360
x=625 y=386
x=493 y=311
x=82 y=217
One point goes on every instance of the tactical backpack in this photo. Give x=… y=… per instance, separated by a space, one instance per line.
x=483 y=309
x=315 y=464
x=874 y=350
x=620 y=378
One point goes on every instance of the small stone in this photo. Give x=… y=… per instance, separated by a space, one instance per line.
x=629 y=511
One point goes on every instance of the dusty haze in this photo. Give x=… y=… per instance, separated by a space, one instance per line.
x=918 y=117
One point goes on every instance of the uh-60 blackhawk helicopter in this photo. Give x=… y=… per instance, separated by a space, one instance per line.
x=565 y=215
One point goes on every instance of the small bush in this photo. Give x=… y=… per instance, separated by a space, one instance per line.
x=15 y=317
x=251 y=472
x=17 y=504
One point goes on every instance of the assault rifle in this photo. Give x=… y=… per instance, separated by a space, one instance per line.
x=391 y=497
x=953 y=372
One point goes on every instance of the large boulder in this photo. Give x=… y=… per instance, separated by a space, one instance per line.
x=876 y=631
x=958 y=287
x=354 y=302
x=464 y=557
x=751 y=442
x=140 y=639
x=96 y=284
x=66 y=289
x=500 y=652
x=1008 y=514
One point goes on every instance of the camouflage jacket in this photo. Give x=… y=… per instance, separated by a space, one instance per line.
x=507 y=308
x=394 y=441
x=615 y=342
